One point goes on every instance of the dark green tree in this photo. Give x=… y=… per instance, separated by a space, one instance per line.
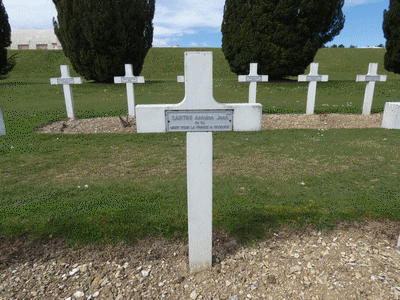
x=282 y=36
x=391 y=30
x=6 y=63
x=100 y=36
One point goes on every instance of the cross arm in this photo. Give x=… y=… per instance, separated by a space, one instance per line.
x=133 y=79
x=71 y=80
x=371 y=78
x=255 y=78
x=151 y=118
x=303 y=78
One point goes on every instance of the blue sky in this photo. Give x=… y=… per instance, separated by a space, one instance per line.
x=194 y=23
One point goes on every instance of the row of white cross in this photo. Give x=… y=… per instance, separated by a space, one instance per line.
x=313 y=78
x=66 y=80
x=129 y=79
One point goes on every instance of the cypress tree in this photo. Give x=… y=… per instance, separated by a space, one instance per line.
x=6 y=64
x=391 y=30
x=100 y=36
x=282 y=36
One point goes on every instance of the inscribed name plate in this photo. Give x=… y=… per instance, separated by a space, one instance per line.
x=65 y=81
x=372 y=78
x=129 y=80
x=253 y=78
x=199 y=120
x=314 y=78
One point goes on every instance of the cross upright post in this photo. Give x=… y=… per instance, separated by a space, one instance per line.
x=371 y=78
x=129 y=79
x=253 y=78
x=66 y=80
x=199 y=115
x=313 y=78
x=2 y=125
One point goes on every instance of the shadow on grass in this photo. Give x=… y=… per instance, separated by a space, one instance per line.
x=19 y=83
x=249 y=226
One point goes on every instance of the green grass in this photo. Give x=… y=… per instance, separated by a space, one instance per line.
x=137 y=182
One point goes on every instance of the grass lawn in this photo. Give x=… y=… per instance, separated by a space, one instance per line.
x=98 y=188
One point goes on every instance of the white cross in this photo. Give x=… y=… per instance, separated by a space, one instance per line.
x=66 y=80
x=130 y=79
x=371 y=78
x=313 y=78
x=253 y=78
x=199 y=114
x=2 y=125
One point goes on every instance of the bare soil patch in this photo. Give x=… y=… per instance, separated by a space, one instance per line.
x=269 y=121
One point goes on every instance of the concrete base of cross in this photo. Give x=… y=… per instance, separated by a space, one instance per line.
x=391 y=115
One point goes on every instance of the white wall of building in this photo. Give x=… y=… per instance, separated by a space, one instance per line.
x=34 y=37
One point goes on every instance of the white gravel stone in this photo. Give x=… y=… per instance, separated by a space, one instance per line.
x=73 y=271
x=193 y=295
x=79 y=294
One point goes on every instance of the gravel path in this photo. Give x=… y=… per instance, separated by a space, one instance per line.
x=357 y=261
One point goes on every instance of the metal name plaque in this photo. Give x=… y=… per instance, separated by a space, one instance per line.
x=314 y=78
x=65 y=80
x=372 y=78
x=253 y=78
x=129 y=80
x=199 y=120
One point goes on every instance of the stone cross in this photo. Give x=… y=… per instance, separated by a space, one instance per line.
x=253 y=78
x=313 y=78
x=199 y=115
x=130 y=79
x=66 y=80
x=2 y=125
x=371 y=78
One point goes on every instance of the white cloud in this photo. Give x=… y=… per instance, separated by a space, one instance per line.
x=348 y=3
x=161 y=43
x=29 y=16
x=172 y=19
x=193 y=44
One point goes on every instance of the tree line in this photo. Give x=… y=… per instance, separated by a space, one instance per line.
x=282 y=36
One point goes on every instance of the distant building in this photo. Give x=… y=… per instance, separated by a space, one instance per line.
x=176 y=46
x=34 y=39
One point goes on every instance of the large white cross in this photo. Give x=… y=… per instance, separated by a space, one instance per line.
x=199 y=115
x=66 y=80
x=371 y=78
x=2 y=125
x=313 y=78
x=253 y=78
x=130 y=79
